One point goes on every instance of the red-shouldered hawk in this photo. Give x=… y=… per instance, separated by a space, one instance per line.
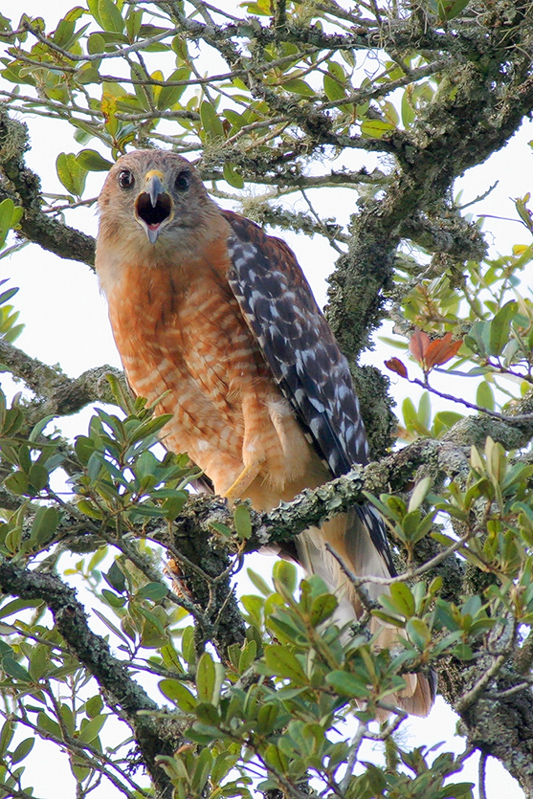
x=217 y=319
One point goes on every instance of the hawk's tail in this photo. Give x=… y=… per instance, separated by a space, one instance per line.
x=360 y=541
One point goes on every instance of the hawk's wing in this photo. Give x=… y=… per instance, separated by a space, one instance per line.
x=297 y=343
x=300 y=349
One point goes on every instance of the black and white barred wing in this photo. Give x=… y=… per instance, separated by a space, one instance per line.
x=297 y=343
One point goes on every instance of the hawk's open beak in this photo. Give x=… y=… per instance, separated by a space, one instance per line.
x=153 y=207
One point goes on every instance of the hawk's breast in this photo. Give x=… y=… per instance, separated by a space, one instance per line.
x=184 y=343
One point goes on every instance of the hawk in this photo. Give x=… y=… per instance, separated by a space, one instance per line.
x=215 y=320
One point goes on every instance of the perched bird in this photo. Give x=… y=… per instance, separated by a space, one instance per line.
x=215 y=318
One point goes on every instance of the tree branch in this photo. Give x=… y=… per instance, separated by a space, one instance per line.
x=154 y=736
x=23 y=186
x=56 y=393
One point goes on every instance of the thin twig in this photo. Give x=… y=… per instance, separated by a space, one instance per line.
x=516 y=689
x=470 y=697
x=351 y=760
x=482 y=773
x=520 y=417
x=409 y=573
x=357 y=582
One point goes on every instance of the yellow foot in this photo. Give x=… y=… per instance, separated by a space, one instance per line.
x=243 y=481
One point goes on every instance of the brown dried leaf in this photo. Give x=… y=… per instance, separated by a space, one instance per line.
x=395 y=365
x=418 y=346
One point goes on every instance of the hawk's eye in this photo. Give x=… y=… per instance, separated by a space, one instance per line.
x=125 y=179
x=183 y=181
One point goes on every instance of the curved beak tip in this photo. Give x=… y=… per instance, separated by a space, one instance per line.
x=154 y=188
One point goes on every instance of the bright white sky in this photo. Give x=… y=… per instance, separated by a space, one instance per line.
x=66 y=323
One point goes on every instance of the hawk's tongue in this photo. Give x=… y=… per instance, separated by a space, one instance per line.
x=153 y=232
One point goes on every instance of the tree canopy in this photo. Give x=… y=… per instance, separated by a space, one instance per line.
x=273 y=100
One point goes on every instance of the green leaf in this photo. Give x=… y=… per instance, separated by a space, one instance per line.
x=500 y=327
x=419 y=494
x=92 y=161
x=424 y=409
x=211 y=124
x=17 y=483
x=169 y=95
x=409 y=412
x=110 y=625
x=203 y=764
x=6 y=736
x=285 y=577
x=485 y=396
x=44 y=525
x=63 y=34
x=207 y=714
x=347 y=684
x=7 y=295
x=222 y=766
x=154 y=591
x=179 y=694
x=232 y=176
x=457 y=790
x=91 y=729
x=375 y=128
x=112 y=599
x=448 y=9
x=38 y=476
x=242 y=522
x=276 y=759
x=334 y=82
x=13 y=333
x=39 y=427
x=463 y=652
x=49 y=725
x=247 y=656
x=188 y=647
x=133 y=23
x=17 y=605
x=205 y=678
x=173 y=506
x=95 y=44
x=282 y=663
x=418 y=632
x=444 y=421
x=10 y=216
x=266 y=719
x=299 y=86
x=149 y=428
x=87 y=75
x=115 y=578
x=403 y=599
x=93 y=706
x=71 y=173
x=15 y=670
x=259 y=583
x=408 y=111
x=110 y=17
x=23 y=750
x=323 y=608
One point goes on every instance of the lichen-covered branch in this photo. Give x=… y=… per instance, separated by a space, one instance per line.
x=23 y=186
x=55 y=393
x=154 y=736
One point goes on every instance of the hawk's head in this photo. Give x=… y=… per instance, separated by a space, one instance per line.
x=154 y=199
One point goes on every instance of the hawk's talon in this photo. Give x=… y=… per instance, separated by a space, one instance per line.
x=243 y=481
